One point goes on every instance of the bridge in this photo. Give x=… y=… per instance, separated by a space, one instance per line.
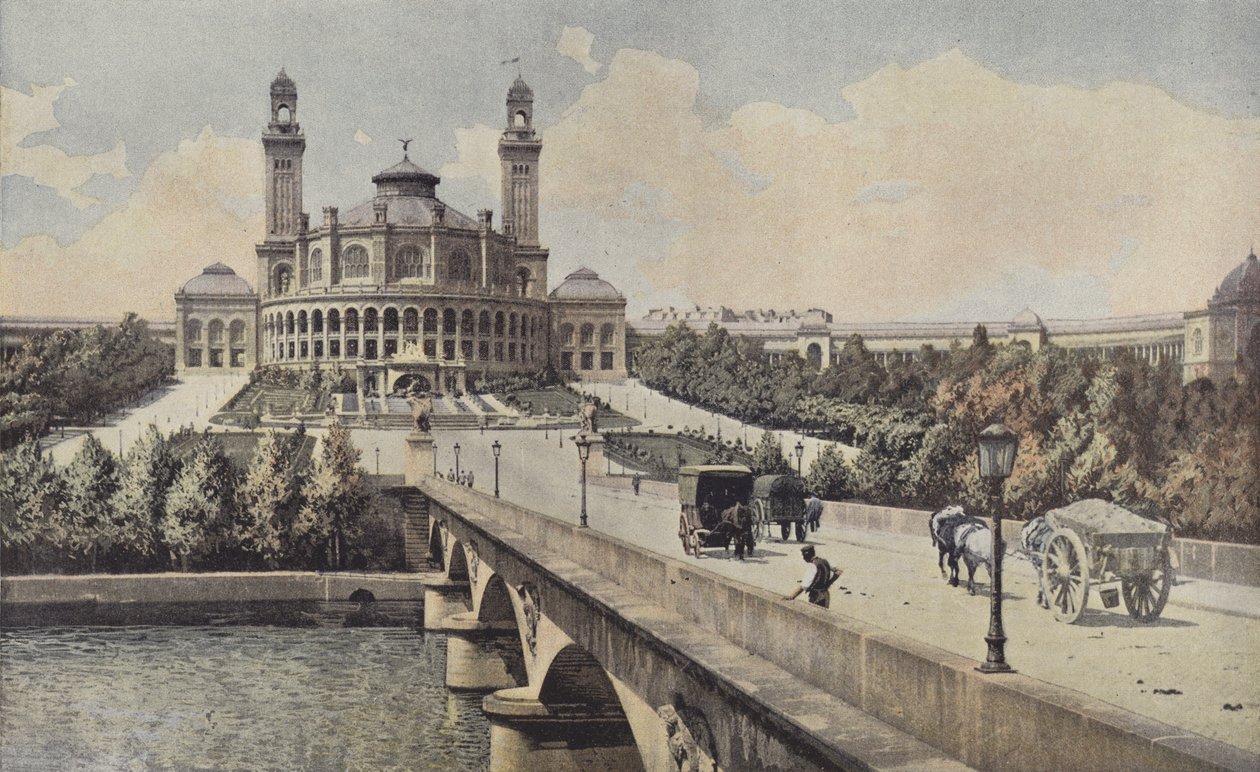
x=596 y=653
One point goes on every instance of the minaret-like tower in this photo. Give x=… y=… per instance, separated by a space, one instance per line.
x=519 y=149
x=283 y=145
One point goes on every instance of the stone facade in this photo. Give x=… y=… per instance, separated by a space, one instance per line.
x=216 y=323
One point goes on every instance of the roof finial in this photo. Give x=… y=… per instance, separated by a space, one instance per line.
x=405 y=142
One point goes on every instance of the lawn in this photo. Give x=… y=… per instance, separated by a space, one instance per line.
x=239 y=447
x=259 y=398
x=658 y=456
x=559 y=401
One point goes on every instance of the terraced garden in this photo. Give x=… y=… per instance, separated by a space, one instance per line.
x=658 y=456
x=558 y=401
x=258 y=399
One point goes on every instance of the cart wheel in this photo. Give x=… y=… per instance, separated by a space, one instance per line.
x=684 y=534
x=800 y=532
x=1065 y=575
x=695 y=545
x=761 y=528
x=1146 y=594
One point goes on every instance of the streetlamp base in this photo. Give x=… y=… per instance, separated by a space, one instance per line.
x=995 y=667
x=996 y=662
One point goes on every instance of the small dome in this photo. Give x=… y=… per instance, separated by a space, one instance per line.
x=1027 y=318
x=520 y=90
x=405 y=179
x=585 y=284
x=217 y=279
x=1241 y=285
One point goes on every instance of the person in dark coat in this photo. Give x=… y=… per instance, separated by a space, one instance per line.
x=739 y=516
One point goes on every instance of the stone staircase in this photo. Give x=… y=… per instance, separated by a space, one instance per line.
x=415 y=509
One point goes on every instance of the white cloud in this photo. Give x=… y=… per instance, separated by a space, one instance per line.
x=1151 y=198
x=575 y=43
x=478 y=156
x=361 y=137
x=194 y=205
x=25 y=115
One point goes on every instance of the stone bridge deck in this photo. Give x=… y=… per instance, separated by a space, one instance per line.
x=775 y=685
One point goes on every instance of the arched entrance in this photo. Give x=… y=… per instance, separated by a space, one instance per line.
x=813 y=352
x=412 y=382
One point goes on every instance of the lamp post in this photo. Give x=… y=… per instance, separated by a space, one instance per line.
x=496 y=448
x=456 y=449
x=435 y=459
x=800 y=453
x=996 y=451
x=378 y=462
x=584 y=452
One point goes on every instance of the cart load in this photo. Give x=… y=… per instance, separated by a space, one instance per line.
x=1098 y=542
x=778 y=499
x=704 y=492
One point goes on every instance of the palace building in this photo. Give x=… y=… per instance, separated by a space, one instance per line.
x=402 y=288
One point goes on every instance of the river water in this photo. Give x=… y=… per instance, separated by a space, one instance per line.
x=233 y=698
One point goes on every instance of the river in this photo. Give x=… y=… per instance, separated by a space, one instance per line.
x=247 y=697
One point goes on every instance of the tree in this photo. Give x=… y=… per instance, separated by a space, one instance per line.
x=29 y=503
x=200 y=506
x=336 y=498
x=829 y=476
x=142 y=488
x=269 y=498
x=768 y=456
x=91 y=481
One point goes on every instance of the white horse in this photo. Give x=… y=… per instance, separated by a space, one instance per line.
x=973 y=542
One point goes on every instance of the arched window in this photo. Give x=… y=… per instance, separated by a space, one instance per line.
x=430 y=320
x=407 y=263
x=466 y=323
x=334 y=320
x=520 y=120
x=354 y=262
x=288 y=323
x=192 y=329
x=369 y=320
x=411 y=320
x=284 y=115
x=317 y=265
x=588 y=334
x=483 y=323
x=236 y=331
x=301 y=321
x=448 y=321
x=512 y=325
x=566 y=334
x=215 y=329
x=606 y=334
x=352 y=320
x=317 y=321
x=391 y=320
x=498 y=323
x=1196 y=340
x=459 y=266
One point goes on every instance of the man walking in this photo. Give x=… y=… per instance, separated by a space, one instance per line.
x=817 y=577
x=740 y=518
x=813 y=511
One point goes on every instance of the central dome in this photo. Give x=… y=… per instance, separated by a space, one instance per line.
x=585 y=284
x=406 y=179
x=217 y=279
x=1241 y=285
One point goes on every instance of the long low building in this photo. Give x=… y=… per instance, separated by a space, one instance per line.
x=14 y=330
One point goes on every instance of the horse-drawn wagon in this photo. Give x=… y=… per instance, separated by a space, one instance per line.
x=778 y=499
x=704 y=493
x=1097 y=542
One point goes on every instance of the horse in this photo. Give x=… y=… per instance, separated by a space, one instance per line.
x=973 y=542
x=941 y=526
x=1032 y=540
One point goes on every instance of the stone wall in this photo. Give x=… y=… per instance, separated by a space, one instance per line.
x=205 y=588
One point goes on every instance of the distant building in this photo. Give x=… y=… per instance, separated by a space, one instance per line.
x=1221 y=341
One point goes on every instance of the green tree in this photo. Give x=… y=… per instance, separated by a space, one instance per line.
x=91 y=481
x=30 y=501
x=200 y=506
x=829 y=476
x=142 y=488
x=336 y=498
x=269 y=498
x=768 y=456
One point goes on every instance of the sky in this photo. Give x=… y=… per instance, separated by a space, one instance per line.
x=884 y=161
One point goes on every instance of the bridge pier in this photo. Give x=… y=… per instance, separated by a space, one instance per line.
x=528 y=734
x=443 y=598
x=418 y=462
x=482 y=656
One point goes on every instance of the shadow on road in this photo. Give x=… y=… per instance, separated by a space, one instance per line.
x=1101 y=618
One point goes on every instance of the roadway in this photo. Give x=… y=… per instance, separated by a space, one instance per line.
x=1203 y=646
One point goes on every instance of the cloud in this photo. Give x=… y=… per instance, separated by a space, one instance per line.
x=1150 y=200
x=194 y=205
x=361 y=137
x=575 y=43
x=478 y=156
x=24 y=116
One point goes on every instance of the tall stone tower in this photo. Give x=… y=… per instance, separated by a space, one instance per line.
x=519 y=149
x=283 y=146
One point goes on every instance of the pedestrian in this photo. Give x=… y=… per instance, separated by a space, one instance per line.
x=450 y=474
x=740 y=518
x=817 y=577
x=635 y=482
x=813 y=511
x=463 y=478
x=470 y=478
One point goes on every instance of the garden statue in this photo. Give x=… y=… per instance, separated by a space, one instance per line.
x=421 y=408
x=587 y=415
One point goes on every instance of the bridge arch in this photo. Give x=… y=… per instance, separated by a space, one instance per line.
x=457 y=565
x=437 y=550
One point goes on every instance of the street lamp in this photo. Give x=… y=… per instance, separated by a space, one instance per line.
x=584 y=452
x=997 y=446
x=456 y=449
x=496 y=448
x=800 y=452
x=435 y=459
x=378 y=462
